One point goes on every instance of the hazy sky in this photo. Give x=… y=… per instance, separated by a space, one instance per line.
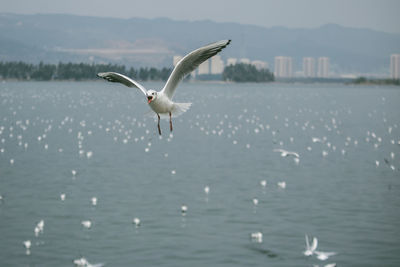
x=374 y=14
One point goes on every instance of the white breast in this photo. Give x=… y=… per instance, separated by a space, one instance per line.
x=162 y=104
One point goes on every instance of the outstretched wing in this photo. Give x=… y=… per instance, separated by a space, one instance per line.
x=314 y=244
x=190 y=62
x=307 y=243
x=119 y=78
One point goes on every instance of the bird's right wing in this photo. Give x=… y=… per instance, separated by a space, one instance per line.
x=120 y=78
x=314 y=244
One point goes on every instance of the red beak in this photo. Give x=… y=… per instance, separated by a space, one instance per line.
x=149 y=99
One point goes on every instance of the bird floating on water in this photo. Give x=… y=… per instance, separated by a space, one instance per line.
x=87 y=224
x=257 y=237
x=161 y=102
x=136 y=221
x=207 y=189
x=27 y=245
x=39 y=228
x=282 y=184
x=83 y=262
x=184 y=209
x=263 y=183
x=94 y=201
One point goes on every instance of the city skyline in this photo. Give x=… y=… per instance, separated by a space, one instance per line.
x=283 y=66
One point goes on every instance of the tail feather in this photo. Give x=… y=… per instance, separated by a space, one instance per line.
x=180 y=108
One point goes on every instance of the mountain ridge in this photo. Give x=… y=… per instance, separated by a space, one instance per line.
x=63 y=37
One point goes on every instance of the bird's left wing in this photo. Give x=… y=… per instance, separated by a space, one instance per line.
x=120 y=78
x=190 y=62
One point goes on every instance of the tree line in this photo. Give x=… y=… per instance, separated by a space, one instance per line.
x=246 y=73
x=85 y=71
x=75 y=71
x=363 y=80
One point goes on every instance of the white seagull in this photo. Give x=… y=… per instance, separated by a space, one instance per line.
x=27 y=245
x=310 y=249
x=257 y=237
x=285 y=153
x=83 y=262
x=87 y=224
x=136 y=221
x=161 y=102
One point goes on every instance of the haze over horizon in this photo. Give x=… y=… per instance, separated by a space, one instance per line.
x=372 y=14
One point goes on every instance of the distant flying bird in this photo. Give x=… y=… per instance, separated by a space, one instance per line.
x=161 y=102
x=285 y=153
x=310 y=249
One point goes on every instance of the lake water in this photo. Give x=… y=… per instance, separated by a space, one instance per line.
x=335 y=191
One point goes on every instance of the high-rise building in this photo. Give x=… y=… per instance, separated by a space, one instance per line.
x=231 y=61
x=309 y=67
x=204 y=68
x=395 y=66
x=283 y=67
x=244 y=61
x=323 y=67
x=217 y=65
x=259 y=64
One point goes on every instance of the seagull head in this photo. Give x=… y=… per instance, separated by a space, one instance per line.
x=151 y=96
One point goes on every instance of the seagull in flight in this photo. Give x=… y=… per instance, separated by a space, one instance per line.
x=161 y=102
x=310 y=249
x=285 y=153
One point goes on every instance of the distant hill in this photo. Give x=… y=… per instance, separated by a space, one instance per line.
x=153 y=42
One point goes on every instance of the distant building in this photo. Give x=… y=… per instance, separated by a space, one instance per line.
x=395 y=66
x=176 y=60
x=231 y=61
x=259 y=64
x=204 y=67
x=283 y=67
x=309 y=67
x=244 y=61
x=323 y=67
x=217 y=65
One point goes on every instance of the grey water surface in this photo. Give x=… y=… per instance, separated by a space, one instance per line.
x=344 y=190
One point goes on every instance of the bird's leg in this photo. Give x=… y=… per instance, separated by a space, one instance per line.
x=158 y=124
x=170 y=121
